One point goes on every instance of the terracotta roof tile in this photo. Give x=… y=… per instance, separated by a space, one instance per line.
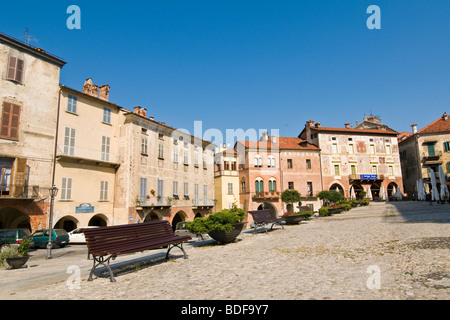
x=439 y=125
x=283 y=143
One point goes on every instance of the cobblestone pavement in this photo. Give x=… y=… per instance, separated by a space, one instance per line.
x=396 y=250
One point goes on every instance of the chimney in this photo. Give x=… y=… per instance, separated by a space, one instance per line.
x=90 y=88
x=414 y=128
x=265 y=136
x=143 y=112
x=137 y=110
x=104 y=92
x=347 y=125
x=445 y=116
x=317 y=125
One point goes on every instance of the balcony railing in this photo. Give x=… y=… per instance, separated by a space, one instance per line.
x=427 y=157
x=265 y=196
x=19 y=192
x=154 y=202
x=90 y=155
x=203 y=202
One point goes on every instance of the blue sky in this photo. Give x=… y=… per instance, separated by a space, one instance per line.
x=253 y=64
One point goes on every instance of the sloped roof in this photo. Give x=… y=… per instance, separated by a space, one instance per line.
x=283 y=143
x=439 y=125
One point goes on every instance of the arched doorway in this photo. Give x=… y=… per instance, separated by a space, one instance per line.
x=152 y=216
x=179 y=217
x=98 y=220
x=198 y=215
x=11 y=218
x=375 y=189
x=67 y=223
x=268 y=205
x=358 y=189
x=391 y=189
x=337 y=187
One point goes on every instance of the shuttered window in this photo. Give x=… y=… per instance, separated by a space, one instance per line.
x=106 y=143
x=103 y=190
x=72 y=102
x=10 y=121
x=66 y=189
x=15 y=69
x=69 y=141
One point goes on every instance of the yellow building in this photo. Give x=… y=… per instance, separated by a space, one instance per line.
x=226 y=179
x=87 y=157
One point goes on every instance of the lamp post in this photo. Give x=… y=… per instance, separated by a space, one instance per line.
x=53 y=192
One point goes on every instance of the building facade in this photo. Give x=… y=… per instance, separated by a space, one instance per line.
x=87 y=157
x=28 y=109
x=366 y=159
x=164 y=173
x=425 y=149
x=226 y=179
x=275 y=164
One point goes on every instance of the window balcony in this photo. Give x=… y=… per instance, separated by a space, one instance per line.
x=19 y=192
x=265 y=196
x=87 y=156
x=154 y=202
x=432 y=159
x=203 y=203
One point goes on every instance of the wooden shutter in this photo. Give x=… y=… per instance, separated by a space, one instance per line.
x=19 y=71
x=21 y=169
x=11 y=74
x=10 y=121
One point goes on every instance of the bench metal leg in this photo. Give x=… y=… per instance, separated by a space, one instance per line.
x=101 y=260
x=279 y=223
x=180 y=246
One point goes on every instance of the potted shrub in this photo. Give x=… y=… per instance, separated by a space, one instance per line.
x=223 y=226
x=296 y=217
x=291 y=197
x=15 y=256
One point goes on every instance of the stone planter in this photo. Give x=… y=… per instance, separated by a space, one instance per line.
x=227 y=236
x=17 y=262
x=335 y=210
x=294 y=219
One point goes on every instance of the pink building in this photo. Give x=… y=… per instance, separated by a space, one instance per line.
x=274 y=164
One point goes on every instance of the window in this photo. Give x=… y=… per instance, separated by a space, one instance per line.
x=196 y=158
x=291 y=185
x=353 y=169
x=142 y=189
x=196 y=194
x=334 y=148
x=15 y=69
x=106 y=142
x=391 y=170
x=66 y=189
x=186 y=156
x=388 y=149
x=374 y=170
x=161 y=151
x=226 y=165
x=351 y=149
x=230 y=188
x=272 y=185
x=69 y=141
x=175 y=155
x=244 y=187
x=10 y=121
x=309 y=188
x=103 y=190
x=175 y=190
x=233 y=165
x=259 y=185
x=205 y=194
x=271 y=162
x=372 y=149
x=160 y=193
x=144 y=146
x=107 y=115
x=336 y=170
x=258 y=162
x=72 y=103
x=447 y=146
x=308 y=163
x=186 y=191
x=289 y=163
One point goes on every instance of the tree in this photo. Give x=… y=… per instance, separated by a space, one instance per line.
x=291 y=196
x=331 y=196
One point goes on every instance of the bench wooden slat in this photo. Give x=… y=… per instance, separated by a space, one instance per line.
x=263 y=217
x=117 y=240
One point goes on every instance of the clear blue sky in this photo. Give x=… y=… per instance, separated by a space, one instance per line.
x=253 y=64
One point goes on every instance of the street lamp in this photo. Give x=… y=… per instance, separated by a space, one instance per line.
x=53 y=192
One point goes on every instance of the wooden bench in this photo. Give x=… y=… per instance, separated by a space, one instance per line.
x=107 y=243
x=261 y=218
